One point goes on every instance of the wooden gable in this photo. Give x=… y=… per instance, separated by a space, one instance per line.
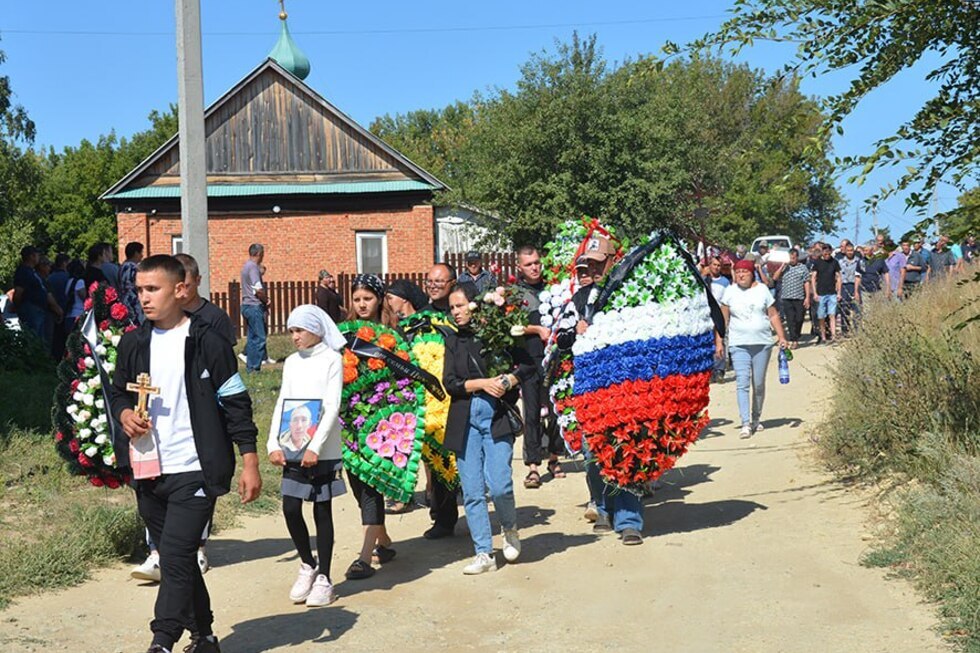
x=272 y=128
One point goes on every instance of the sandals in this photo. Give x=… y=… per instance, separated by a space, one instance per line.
x=382 y=555
x=399 y=508
x=359 y=570
x=554 y=468
x=532 y=480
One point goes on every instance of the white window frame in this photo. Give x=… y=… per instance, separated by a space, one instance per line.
x=176 y=245
x=360 y=236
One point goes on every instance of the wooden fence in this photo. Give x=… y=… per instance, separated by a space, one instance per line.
x=284 y=296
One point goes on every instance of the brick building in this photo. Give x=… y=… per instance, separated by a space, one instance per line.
x=287 y=169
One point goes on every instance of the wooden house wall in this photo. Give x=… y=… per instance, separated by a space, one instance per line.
x=271 y=130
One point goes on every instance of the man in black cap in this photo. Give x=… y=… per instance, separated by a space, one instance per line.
x=475 y=274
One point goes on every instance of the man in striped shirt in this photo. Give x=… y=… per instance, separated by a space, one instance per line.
x=794 y=295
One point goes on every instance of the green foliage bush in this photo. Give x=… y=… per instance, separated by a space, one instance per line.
x=906 y=411
x=23 y=351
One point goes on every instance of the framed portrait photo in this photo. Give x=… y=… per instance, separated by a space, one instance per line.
x=300 y=419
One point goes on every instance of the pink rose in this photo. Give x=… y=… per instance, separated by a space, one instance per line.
x=118 y=312
x=111 y=295
x=498 y=300
x=88 y=304
x=387 y=449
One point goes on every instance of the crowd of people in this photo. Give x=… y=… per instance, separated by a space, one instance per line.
x=759 y=299
x=830 y=286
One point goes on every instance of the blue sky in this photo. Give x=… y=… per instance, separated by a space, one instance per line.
x=83 y=69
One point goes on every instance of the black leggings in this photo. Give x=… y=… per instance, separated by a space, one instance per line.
x=292 y=510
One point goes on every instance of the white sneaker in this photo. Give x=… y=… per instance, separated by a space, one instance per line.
x=321 y=594
x=591 y=512
x=243 y=358
x=746 y=432
x=202 y=561
x=757 y=427
x=149 y=570
x=482 y=563
x=304 y=583
x=512 y=545
x=270 y=361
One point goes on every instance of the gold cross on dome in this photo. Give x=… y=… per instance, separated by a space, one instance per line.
x=143 y=390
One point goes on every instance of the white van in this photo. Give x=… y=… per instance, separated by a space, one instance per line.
x=779 y=247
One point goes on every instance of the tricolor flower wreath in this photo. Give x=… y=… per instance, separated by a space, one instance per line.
x=642 y=368
x=557 y=312
x=429 y=348
x=81 y=419
x=382 y=416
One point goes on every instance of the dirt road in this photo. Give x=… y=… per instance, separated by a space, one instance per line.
x=749 y=547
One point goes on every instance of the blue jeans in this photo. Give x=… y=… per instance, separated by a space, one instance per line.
x=31 y=317
x=621 y=506
x=750 y=363
x=485 y=461
x=255 y=340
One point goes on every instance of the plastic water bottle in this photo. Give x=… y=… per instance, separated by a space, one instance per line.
x=783 y=367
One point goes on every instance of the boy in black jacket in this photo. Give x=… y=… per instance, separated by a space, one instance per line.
x=201 y=409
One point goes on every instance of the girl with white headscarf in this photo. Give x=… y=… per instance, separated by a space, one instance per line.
x=312 y=380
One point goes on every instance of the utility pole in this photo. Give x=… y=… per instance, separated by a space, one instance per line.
x=874 y=218
x=193 y=163
x=857 y=225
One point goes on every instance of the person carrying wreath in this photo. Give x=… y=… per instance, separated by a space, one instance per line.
x=750 y=312
x=310 y=462
x=367 y=296
x=479 y=431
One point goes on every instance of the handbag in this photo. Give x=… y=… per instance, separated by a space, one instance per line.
x=514 y=419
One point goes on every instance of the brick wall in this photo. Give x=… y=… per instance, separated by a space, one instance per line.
x=297 y=245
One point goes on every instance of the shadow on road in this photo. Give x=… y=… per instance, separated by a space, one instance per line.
x=679 y=517
x=311 y=626
x=222 y=552
x=711 y=430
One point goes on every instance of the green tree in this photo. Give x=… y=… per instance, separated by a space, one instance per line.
x=965 y=220
x=640 y=145
x=871 y=41
x=20 y=175
x=74 y=216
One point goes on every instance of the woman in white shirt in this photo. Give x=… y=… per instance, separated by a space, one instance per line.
x=751 y=316
x=311 y=462
x=75 y=294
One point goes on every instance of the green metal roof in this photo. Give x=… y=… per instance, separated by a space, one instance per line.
x=255 y=190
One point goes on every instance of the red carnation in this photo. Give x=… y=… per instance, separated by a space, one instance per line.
x=73 y=446
x=93 y=287
x=118 y=312
x=87 y=350
x=111 y=482
x=103 y=325
x=111 y=295
x=59 y=436
x=74 y=384
x=511 y=278
x=96 y=481
x=80 y=365
x=88 y=304
x=84 y=460
x=131 y=327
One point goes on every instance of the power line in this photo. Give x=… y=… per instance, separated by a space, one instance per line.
x=367 y=32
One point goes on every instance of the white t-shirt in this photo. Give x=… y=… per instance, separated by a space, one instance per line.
x=169 y=412
x=77 y=303
x=718 y=286
x=749 y=322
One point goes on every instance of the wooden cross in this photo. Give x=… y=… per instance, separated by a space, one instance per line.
x=143 y=390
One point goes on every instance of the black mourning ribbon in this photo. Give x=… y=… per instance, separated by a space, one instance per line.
x=401 y=368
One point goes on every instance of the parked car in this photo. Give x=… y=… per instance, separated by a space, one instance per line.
x=779 y=246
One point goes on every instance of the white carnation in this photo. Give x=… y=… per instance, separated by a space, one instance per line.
x=101 y=438
x=88 y=400
x=91 y=451
x=84 y=434
x=100 y=404
x=115 y=340
x=89 y=361
x=100 y=350
x=110 y=459
x=109 y=367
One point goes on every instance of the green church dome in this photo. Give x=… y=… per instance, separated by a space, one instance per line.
x=288 y=55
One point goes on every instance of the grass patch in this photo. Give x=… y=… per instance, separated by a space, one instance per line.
x=907 y=412
x=55 y=527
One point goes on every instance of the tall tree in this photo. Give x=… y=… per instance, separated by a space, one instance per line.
x=871 y=41
x=20 y=174
x=638 y=145
x=75 y=217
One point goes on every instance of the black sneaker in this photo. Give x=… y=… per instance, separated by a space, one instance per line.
x=359 y=570
x=602 y=524
x=437 y=532
x=203 y=645
x=631 y=537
